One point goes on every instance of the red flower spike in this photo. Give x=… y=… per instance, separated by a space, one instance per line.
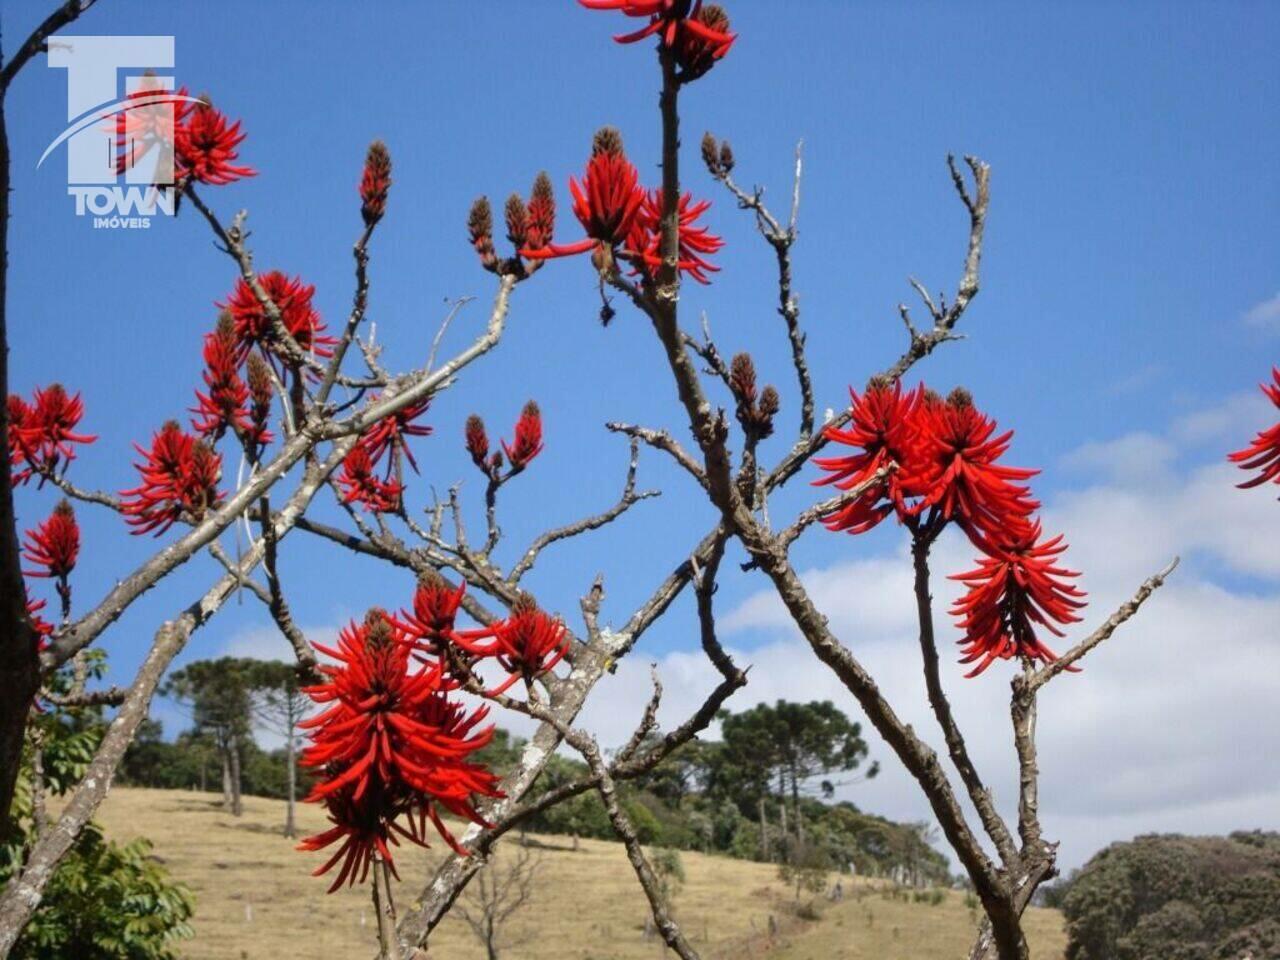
x=526 y=644
x=361 y=485
x=958 y=470
x=1263 y=454
x=607 y=202
x=205 y=148
x=42 y=627
x=646 y=240
x=428 y=626
x=881 y=426
x=1009 y=593
x=54 y=545
x=391 y=432
x=293 y=299
x=223 y=407
x=375 y=183
x=42 y=434
x=389 y=745
x=671 y=20
x=180 y=476
x=260 y=393
x=528 y=439
x=542 y=213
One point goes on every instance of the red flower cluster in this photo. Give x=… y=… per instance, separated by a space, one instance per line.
x=292 y=298
x=1015 y=587
x=695 y=241
x=231 y=403
x=526 y=444
x=526 y=644
x=943 y=457
x=42 y=433
x=385 y=442
x=195 y=138
x=623 y=221
x=360 y=484
x=42 y=627
x=528 y=439
x=204 y=147
x=694 y=31
x=388 y=434
x=54 y=545
x=391 y=749
x=375 y=183
x=180 y=476
x=1263 y=454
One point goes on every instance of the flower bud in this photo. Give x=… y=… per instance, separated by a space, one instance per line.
x=517 y=221
x=480 y=227
x=959 y=398
x=607 y=140
x=742 y=378
x=477 y=441
x=711 y=155
x=375 y=183
x=726 y=157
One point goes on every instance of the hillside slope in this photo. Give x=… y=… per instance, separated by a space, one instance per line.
x=255 y=899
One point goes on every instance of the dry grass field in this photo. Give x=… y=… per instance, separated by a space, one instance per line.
x=256 y=900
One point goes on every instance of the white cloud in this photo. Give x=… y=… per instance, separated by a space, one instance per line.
x=266 y=642
x=1171 y=725
x=1265 y=314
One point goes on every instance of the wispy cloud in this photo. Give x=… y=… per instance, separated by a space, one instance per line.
x=1265 y=314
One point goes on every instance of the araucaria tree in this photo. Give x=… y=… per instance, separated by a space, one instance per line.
x=404 y=695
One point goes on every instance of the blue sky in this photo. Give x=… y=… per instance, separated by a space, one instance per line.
x=1130 y=279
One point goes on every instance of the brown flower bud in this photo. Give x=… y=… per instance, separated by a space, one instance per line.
x=480 y=227
x=226 y=327
x=742 y=378
x=477 y=441
x=259 y=380
x=770 y=402
x=726 y=157
x=517 y=220
x=378 y=630
x=607 y=140
x=711 y=155
x=960 y=398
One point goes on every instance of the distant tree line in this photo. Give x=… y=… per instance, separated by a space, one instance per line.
x=764 y=791
x=1175 y=898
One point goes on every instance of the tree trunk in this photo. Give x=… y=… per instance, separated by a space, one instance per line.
x=19 y=666
x=764 y=833
x=237 y=808
x=291 y=762
x=225 y=754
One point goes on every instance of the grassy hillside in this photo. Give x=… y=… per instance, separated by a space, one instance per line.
x=255 y=899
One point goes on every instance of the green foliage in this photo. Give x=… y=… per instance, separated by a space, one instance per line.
x=779 y=750
x=1178 y=898
x=104 y=901
x=108 y=902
